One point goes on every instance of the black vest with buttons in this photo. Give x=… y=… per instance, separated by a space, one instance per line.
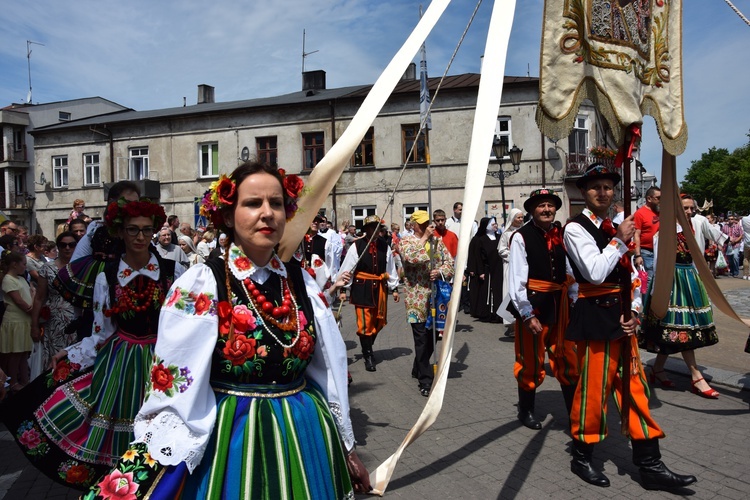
x=595 y=318
x=364 y=293
x=544 y=265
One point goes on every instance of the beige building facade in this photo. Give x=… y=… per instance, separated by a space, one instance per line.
x=182 y=150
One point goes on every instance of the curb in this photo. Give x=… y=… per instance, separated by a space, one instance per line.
x=714 y=375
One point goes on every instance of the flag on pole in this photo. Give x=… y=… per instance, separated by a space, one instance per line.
x=424 y=93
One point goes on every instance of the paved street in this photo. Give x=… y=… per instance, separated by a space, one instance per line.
x=477 y=449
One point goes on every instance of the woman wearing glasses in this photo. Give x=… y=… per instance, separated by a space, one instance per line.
x=75 y=422
x=49 y=305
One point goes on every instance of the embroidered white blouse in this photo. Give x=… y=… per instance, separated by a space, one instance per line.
x=177 y=428
x=84 y=352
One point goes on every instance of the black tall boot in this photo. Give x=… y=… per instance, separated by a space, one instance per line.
x=568 y=392
x=581 y=464
x=526 y=409
x=654 y=474
x=366 y=342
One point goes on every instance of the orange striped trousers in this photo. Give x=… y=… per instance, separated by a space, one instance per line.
x=529 y=366
x=368 y=322
x=599 y=362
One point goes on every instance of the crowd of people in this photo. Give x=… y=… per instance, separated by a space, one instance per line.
x=121 y=405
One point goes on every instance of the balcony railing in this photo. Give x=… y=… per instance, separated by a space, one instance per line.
x=17 y=201
x=13 y=152
x=577 y=163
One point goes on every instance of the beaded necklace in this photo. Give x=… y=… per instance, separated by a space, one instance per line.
x=266 y=310
x=130 y=300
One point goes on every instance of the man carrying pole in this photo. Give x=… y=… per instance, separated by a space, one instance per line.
x=598 y=324
x=418 y=254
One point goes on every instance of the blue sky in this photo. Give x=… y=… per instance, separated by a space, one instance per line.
x=151 y=54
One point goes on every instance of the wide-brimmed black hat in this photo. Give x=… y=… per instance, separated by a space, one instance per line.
x=598 y=171
x=537 y=195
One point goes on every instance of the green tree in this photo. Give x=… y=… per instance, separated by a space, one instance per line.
x=723 y=177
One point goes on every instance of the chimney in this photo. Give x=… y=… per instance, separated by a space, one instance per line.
x=205 y=94
x=410 y=73
x=314 y=80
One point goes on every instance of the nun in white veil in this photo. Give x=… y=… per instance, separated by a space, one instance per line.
x=514 y=221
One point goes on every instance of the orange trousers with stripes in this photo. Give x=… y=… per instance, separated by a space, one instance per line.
x=529 y=366
x=368 y=322
x=599 y=363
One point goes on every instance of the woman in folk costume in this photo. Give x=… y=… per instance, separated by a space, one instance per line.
x=248 y=391
x=486 y=270
x=515 y=221
x=75 y=422
x=689 y=323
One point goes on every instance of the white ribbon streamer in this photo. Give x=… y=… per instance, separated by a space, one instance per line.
x=488 y=105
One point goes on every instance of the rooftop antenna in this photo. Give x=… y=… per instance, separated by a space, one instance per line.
x=305 y=54
x=28 y=57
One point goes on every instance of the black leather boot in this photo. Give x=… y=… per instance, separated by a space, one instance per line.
x=568 y=392
x=581 y=464
x=366 y=343
x=654 y=474
x=526 y=409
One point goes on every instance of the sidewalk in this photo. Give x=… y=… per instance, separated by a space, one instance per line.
x=477 y=449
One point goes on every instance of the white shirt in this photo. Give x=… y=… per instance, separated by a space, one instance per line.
x=350 y=261
x=518 y=277
x=454 y=225
x=618 y=218
x=703 y=231
x=594 y=264
x=745 y=222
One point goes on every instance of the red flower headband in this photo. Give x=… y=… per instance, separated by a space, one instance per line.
x=222 y=194
x=119 y=210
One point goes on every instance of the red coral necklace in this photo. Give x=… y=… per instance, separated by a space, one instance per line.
x=268 y=312
x=131 y=300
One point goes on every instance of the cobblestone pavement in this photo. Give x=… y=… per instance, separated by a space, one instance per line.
x=477 y=449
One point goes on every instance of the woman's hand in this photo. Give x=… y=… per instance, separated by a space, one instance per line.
x=358 y=473
x=57 y=358
x=36 y=333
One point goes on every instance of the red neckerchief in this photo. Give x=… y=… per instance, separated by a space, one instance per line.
x=553 y=238
x=608 y=227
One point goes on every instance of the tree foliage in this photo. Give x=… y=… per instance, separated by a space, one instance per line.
x=723 y=177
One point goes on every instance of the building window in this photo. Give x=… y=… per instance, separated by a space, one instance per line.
x=64 y=116
x=410 y=208
x=91 y=169
x=578 y=140
x=18 y=136
x=364 y=155
x=408 y=136
x=267 y=151
x=360 y=213
x=209 y=159
x=60 y=171
x=313 y=148
x=138 y=164
x=502 y=132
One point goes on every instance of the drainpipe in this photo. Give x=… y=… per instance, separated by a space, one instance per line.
x=544 y=159
x=332 y=107
x=108 y=134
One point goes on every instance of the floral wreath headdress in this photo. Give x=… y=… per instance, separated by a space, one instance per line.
x=222 y=194
x=118 y=211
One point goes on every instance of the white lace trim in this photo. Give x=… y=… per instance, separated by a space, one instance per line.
x=344 y=425
x=169 y=440
x=76 y=355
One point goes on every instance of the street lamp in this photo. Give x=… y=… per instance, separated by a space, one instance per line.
x=501 y=151
x=29 y=202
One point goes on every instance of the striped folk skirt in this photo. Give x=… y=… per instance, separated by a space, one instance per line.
x=689 y=323
x=74 y=430
x=265 y=447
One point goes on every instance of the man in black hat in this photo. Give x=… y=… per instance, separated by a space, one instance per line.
x=603 y=331
x=374 y=275
x=538 y=282
x=323 y=250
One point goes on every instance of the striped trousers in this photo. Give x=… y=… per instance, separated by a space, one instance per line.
x=529 y=366
x=599 y=363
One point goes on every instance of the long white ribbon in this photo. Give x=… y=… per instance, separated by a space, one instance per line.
x=327 y=172
x=485 y=117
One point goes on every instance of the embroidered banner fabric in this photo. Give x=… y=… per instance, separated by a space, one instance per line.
x=624 y=55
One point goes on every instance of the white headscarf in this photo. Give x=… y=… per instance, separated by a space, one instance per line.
x=511 y=216
x=491 y=233
x=189 y=241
